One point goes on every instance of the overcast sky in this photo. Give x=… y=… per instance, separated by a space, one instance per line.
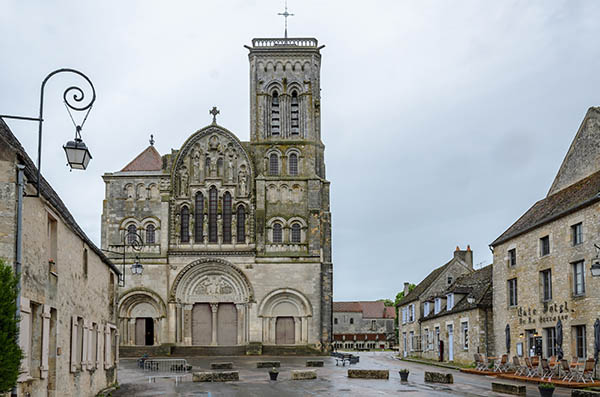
x=443 y=120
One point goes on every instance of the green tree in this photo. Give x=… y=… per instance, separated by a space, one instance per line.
x=387 y=302
x=10 y=352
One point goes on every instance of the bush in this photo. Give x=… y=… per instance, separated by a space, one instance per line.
x=10 y=352
x=546 y=385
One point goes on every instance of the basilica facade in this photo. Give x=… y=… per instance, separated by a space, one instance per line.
x=234 y=237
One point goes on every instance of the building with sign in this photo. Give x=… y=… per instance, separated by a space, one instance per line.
x=363 y=325
x=542 y=262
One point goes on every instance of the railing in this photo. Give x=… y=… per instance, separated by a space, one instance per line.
x=291 y=42
x=166 y=366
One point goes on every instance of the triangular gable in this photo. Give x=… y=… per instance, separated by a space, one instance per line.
x=148 y=160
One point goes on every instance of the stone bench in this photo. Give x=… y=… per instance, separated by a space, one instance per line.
x=268 y=364
x=221 y=365
x=585 y=393
x=508 y=388
x=369 y=373
x=438 y=377
x=314 y=363
x=304 y=374
x=227 y=376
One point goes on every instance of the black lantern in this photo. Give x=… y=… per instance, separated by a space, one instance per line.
x=78 y=155
x=595 y=268
x=136 y=266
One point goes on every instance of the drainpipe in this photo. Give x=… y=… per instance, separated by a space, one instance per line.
x=18 y=243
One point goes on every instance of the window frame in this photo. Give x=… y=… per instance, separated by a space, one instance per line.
x=296 y=233
x=150 y=234
x=546 y=285
x=464 y=329
x=273 y=164
x=550 y=339
x=449 y=301
x=199 y=217
x=512 y=257
x=575 y=290
x=184 y=235
x=213 y=209
x=425 y=309
x=293 y=165
x=277 y=238
x=545 y=245
x=241 y=224
x=513 y=297
x=580 y=333
x=577 y=234
x=227 y=218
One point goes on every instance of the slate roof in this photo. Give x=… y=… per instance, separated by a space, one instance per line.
x=148 y=160
x=47 y=192
x=423 y=285
x=369 y=309
x=565 y=201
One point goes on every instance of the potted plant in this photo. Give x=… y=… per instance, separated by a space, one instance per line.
x=273 y=373
x=546 y=389
x=403 y=375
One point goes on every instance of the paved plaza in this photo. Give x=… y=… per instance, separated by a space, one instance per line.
x=332 y=380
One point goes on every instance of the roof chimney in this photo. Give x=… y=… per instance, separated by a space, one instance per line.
x=406 y=287
x=465 y=256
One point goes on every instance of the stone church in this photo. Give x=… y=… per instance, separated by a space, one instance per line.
x=236 y=235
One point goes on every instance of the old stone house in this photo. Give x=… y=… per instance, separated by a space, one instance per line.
x=415 y=302
x=542 y=262
x=68 y=327
x=464 y=324
x=237 y=235
x=363 y=325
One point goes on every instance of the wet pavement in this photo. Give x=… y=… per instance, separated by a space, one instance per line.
x=332 y=380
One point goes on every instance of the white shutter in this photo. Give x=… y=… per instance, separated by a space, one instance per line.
x=73 y=343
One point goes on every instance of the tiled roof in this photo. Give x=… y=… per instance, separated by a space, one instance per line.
x=148 y=160
x=369 y=309
x=423 y=285
x=579 y=195
x=390 y=312
x=48 y=192
x=347 y=307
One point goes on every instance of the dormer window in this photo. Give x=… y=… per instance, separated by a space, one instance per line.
x=449 y=301
x=437 y=305
x=275 y=114
x=294 y=113
x=426 y=309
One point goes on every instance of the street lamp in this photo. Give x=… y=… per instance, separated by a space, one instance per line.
x=595 y=268
x=134 y=241
x=78 y=155
x=136 y=266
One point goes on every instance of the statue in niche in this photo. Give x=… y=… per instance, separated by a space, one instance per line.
x=212 y=167
x=242 y=181
x=205 y=227
x=196 y=165
x=213 y=143
x=184 y=179
x=230 y=169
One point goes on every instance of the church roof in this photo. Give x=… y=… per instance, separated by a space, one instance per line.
x=148 y=160
x=369 y=309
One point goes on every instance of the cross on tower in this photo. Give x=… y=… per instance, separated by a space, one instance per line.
x=214 y=111
x=285 y=14
x=151 y=140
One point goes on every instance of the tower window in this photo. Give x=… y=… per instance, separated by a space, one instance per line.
x=277 y=233
x=294 y=114
x=275 y=114
x=241 y=224
x=199 y=218
x=131 y=230
x=150 y=234
x=227 y=218
x=212 y=215
x=185 y=224
x=293 y=164
x=273 y=164
x=296 y=236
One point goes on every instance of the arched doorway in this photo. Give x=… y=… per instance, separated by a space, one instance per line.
x=141 y=315
x=286 y=314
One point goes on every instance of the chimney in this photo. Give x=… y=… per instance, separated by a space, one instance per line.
x=406 y=288
x=465 y=255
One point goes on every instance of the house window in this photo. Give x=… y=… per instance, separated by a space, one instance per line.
x=373 y=325
x=449 y=280
x=465 y=334
x=578 y=278
x=277 y=233
x=150 y=235
x=449 y=301
x=512 y=292
x=550 y=334
x=545 y=245
x=437 y=305
x=411 y=337
x=411 y=313
x=185 y=224
x=546 y=281
x=512 y=257
x=52 y=244
x=580 y=341
x=426 y=344
x=294 y=113
x=212 y=215
x=577 y=233
x=404 y=315
x=335 y=320
x=85 y=262
x=275 y=114
x=199 y=218
x=426 y=309
x=351 y=320
x=437 y=337
x=273 y=164
x=296 y=237
x=227 y=218
x=293 y=164
x=241 y=224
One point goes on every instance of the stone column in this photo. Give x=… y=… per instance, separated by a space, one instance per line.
x=214 y=307
x=187 y=325
x=45 y=341
x=273 y=330
x=131 y=331
x=297 y=330
x=240 y=323
x=304 y=329
x=156 y=330
x=171 y=323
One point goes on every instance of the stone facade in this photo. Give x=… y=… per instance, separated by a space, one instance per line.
x=411 y=307
x=548 y=253
x=363 y=325
x=68 y=288
x=237 y=235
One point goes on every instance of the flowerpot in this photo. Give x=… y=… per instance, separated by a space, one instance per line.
x=544 y=392
x=403 y=376
x=273 y=375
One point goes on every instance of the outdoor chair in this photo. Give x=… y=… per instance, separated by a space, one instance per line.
x=547 y=372
x=587 y=375
x=566 y=369
x=479 y=362
x=501 y=366
x=531 y=370
x=520 y=368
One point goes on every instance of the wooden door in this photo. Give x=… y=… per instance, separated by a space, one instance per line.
x=285 y=331
x=149 y=336
x=140 y=331
x=227 y=324
x=201 y=324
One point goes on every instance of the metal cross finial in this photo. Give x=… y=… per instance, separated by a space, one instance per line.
x=214 y=111
x=285 y=14
x=151 y=140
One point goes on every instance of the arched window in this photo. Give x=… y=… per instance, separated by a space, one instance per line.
x=296 y=236
x=277 y=233
x=293 y=164
x=241 y=224
x=273 y=164
x=220 y=167
x=212 y=215
x=199 y=218
x=275 y=114
x=227 y=218
x=131 y=230
x=185 y=224
x=295 y=112
x=150 y=235
x=207 y=165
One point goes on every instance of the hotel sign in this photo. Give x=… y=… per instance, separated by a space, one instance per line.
x=551 y=312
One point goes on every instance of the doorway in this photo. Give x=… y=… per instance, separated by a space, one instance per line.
x=144 y=331
x=450 y=342
x=285 y=331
